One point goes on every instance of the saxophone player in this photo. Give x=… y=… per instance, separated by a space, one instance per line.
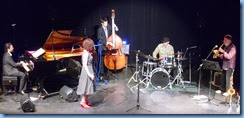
x=227 y=54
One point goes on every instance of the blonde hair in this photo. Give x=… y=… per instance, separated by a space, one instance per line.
x=88 y=44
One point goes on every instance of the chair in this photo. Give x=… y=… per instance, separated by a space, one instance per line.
x=9 y=82
x=216 y=82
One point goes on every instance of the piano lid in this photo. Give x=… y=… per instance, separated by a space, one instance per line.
x=60 y=43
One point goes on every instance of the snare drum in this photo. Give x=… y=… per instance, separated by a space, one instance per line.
x=148 y=67
x=168 y=62
x=159 y=78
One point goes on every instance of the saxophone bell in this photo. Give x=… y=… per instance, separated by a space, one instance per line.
x=231 y=91
x=216 y=52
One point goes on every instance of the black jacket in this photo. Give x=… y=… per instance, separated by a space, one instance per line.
x=101 y=35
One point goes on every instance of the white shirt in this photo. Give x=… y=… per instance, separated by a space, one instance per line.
x=106 y=31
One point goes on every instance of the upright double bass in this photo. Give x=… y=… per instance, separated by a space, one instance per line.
x=115 y=60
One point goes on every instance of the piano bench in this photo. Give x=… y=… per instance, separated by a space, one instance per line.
x=9 y=82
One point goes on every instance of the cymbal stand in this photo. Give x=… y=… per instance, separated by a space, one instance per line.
x=179 y=77
x=169 y=71
x=135 y=75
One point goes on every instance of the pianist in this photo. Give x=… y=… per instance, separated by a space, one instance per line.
x=10 y=67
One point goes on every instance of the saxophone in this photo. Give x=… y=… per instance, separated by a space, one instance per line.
x=231 y=91
x=216 y=52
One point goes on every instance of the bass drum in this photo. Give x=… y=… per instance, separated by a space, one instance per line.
x=159 y=78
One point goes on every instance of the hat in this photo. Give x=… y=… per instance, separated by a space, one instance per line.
x=228 y=36
x=165 y=39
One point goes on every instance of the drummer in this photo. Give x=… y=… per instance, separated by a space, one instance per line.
x=164 y=49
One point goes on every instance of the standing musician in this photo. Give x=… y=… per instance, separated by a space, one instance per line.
x=85 y=86
x=229 y=60
x=104 y=31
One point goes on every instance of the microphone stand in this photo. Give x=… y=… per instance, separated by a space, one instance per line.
x=199 y=97
x=186 y=52
x=99 y=45
x=189 y=65
x=206 y=58
x=136 y=79
x=138 y=106
x=13 y=39
x=54 y=55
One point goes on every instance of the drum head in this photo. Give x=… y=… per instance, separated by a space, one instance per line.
x=160 y=79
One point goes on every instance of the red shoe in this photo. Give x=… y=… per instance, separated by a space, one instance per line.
x=84 y=105
x=88 y=103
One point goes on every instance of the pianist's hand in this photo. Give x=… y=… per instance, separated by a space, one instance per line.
x=21 y=62
x=31 y=63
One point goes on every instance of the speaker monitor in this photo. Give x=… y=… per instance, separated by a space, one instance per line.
x=73 y=68
x=26 y=104
x=68 y=94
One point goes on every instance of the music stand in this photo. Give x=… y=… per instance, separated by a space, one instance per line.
x=211 y=65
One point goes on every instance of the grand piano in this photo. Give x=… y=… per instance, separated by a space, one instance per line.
x=59 y=62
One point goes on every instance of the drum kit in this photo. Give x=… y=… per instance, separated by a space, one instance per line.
x=157 y=73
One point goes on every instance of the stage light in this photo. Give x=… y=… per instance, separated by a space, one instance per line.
x=124 y=41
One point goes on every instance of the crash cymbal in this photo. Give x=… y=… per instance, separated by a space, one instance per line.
x=181 y=59
x=178 y=53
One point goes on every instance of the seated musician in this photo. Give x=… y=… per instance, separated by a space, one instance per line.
x=10 y=67
x=164 y=49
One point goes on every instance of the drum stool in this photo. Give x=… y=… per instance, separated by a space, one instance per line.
x=8 y=82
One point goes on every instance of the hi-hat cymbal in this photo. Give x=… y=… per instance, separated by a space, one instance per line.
x=139 y=53
x=150 y=57
x=178 y=53
x=181 y=59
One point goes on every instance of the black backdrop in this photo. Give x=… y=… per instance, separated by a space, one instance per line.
x=143 y=23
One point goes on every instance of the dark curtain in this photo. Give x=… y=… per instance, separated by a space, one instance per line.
x=143 y=23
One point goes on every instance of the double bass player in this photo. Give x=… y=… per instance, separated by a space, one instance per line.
x=103 y=32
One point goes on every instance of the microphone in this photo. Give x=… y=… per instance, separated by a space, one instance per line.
x=73 y=47
x=192 y=47
x=13 y=25
x=72 y=50
x=216 y=46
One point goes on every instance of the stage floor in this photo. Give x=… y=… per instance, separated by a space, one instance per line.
x=117 y=97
